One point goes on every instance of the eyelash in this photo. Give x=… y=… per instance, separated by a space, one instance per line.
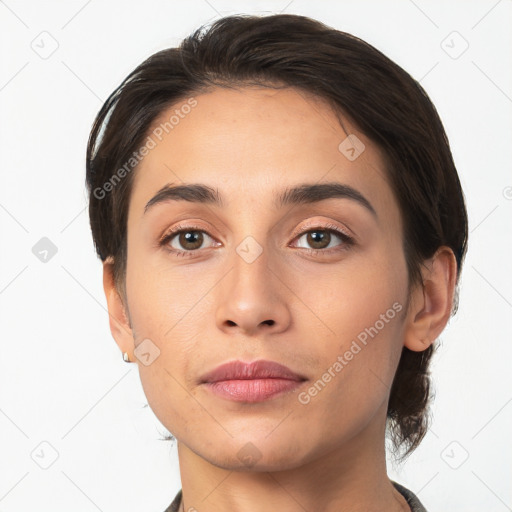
x=330 y=228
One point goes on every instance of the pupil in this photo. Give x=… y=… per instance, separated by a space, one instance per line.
x=319 y=237
x=192 y=237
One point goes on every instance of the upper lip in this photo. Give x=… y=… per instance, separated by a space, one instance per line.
x=238 y=370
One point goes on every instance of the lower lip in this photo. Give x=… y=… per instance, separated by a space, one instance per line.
x=252 y=390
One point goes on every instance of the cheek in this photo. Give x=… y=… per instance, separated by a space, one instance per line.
x=365 y=319
x=164 y=315
x=163 y=301
x=358 y=361
x=356 y=298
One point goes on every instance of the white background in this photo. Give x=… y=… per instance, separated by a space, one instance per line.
x=62 y=380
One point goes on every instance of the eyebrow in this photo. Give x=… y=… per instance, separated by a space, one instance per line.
x=300 y=194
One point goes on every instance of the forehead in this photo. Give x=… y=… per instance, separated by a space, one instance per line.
x=250 y=141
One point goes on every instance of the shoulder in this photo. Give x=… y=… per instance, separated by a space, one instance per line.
x=175 y=505
x=411 y=498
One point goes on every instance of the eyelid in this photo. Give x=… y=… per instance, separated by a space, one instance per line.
x=322 y=226
x=187 y=226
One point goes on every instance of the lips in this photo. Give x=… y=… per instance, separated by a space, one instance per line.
x=258 y=381
x=238 y=370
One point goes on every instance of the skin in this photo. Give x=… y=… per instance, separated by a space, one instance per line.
x=205 y=310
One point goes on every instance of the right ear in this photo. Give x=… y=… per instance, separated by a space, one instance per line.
x=118 y=319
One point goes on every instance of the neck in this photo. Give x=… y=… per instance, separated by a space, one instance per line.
x=350 y=477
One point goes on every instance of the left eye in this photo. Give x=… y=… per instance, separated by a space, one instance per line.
x=321 y=238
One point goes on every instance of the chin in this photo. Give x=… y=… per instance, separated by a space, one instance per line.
x=256 y=455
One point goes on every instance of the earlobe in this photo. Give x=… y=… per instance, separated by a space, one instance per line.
x=431 y=303
x=118 y=319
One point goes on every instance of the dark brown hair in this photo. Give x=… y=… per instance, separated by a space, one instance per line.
x=360 y=83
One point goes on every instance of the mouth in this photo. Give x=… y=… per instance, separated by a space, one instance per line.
x=251 y=382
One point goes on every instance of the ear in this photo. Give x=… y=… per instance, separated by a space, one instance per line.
x=431 y=303
x=120 y=326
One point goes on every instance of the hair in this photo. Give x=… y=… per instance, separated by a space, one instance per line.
x=360 y=83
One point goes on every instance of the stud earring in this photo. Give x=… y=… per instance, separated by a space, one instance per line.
x=126 y=357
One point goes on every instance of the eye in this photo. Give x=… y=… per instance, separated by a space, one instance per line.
x=321 y=239
x=184 y=241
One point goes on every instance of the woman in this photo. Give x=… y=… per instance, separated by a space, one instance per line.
x=282 y=230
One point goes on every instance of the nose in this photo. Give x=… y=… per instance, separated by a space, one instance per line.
x=253 y=299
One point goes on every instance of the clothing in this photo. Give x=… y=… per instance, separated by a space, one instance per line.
x=409 y=496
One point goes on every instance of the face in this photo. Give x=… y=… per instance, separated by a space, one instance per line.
x=319 y=287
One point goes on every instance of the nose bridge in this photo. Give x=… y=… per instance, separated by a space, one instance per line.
x=253 y=297
x=253 y=256
x=250 y=261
